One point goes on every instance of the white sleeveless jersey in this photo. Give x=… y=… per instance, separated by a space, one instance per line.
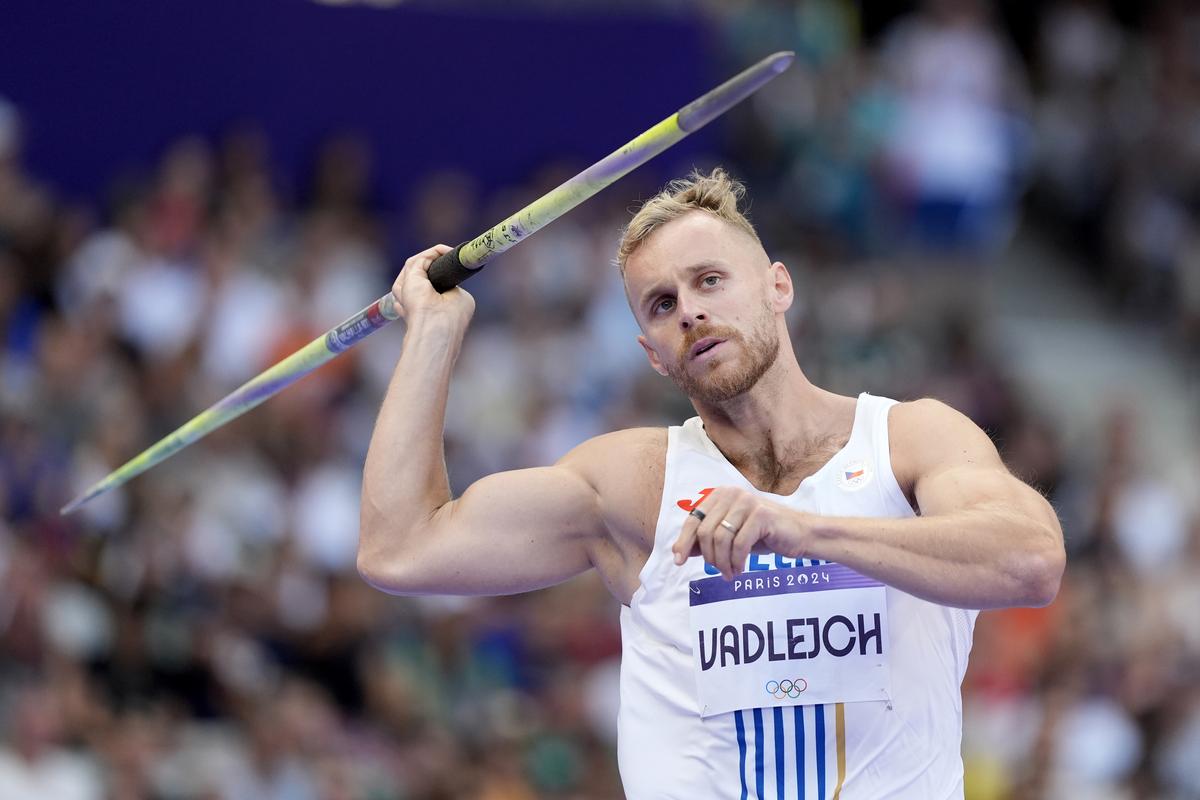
x=907 y=746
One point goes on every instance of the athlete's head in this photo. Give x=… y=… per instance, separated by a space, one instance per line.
x=709 y=301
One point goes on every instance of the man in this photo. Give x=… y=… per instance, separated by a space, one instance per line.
x=849 y=534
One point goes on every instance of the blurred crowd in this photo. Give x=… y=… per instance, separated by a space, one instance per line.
x=202 y=632
x=1118 y=118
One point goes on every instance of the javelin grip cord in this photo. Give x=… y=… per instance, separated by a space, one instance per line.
x=448 y=271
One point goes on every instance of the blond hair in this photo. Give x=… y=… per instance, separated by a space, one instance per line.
x=715 y=193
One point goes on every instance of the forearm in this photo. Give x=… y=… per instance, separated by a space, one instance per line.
x=404 y=476
x=985 y=539
x=986 y=556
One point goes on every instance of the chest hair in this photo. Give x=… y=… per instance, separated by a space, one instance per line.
x=781 y=472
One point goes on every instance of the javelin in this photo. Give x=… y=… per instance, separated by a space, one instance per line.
x=451 y=269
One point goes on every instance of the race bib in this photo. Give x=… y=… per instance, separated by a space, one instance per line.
x=787 y=637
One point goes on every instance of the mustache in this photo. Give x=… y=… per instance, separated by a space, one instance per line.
x=697 y=333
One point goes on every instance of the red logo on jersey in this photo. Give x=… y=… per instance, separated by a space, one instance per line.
x=688 y=505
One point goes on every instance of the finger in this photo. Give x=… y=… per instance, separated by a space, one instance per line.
x=416 y=267
x=424 y=260
x=724 y=529
x=731 y=563
x=748 y=534
x=722 y=543
x=739 y=515
x=706 y=532
x=428 y=255
x=686 y=545
x=729 y=528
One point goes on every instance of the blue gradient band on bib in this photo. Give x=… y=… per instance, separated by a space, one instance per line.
x=781 y=581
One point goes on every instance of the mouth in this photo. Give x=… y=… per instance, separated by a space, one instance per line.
x=705 y=345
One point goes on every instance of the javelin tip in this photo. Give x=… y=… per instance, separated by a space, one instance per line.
x=708 y=107
x=778 y=62
x=76 y=503
x=92 y=492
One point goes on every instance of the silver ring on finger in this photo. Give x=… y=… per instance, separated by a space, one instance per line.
x=725 y=524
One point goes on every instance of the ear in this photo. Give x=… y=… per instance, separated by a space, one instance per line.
x=782 y=291
x=652 y=356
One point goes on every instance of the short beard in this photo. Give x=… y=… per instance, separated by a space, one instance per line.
x=761 y=345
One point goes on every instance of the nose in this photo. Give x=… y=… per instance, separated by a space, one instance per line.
x=689 y=313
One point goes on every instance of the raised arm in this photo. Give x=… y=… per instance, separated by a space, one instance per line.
x=984 y=539
x=509 y=532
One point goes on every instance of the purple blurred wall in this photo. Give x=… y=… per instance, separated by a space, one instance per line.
x=103 y=86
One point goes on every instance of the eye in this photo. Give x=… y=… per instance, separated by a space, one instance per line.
x=710 y=280
x=665 y=304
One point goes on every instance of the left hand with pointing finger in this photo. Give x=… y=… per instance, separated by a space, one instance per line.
x=730 y=523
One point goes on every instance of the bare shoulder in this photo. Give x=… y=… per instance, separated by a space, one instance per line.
x=625 y=469
x=615 y=461
x=926 y=415
x=927 y=435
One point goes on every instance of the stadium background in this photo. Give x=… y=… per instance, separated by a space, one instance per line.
x=995 y=209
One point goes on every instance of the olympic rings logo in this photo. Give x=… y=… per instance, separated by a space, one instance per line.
x=786 y=688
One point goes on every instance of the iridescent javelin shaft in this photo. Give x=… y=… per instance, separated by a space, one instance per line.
x=574 y=191
x=470 y=256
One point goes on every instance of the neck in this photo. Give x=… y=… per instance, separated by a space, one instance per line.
x=770 y=430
